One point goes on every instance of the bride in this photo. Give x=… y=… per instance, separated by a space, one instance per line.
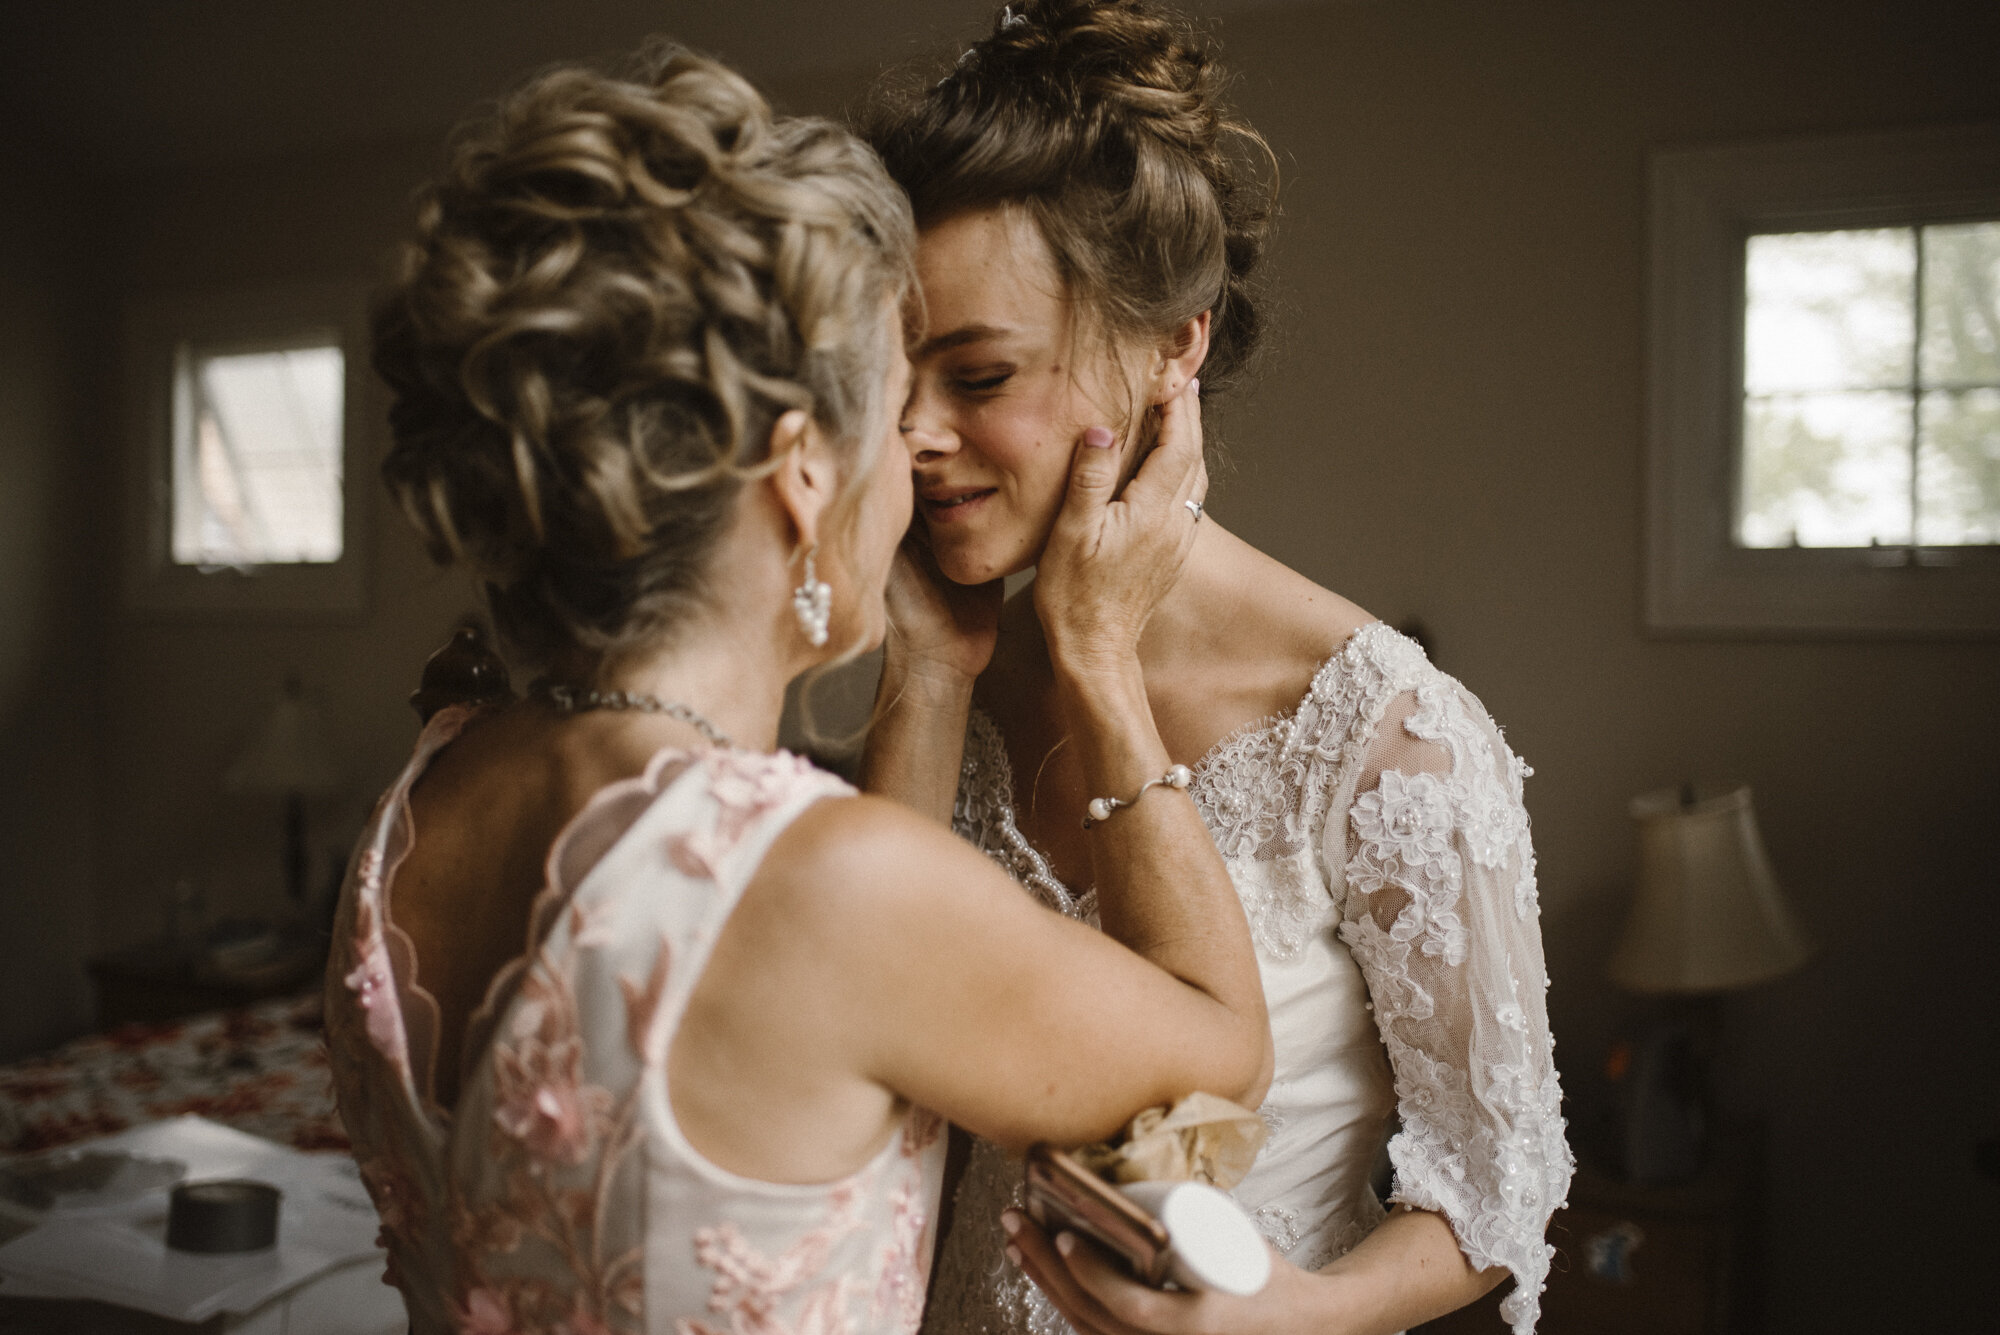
x=1086 y=233
x=635 y=1022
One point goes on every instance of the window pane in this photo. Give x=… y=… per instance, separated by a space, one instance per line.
x=1829 y=310
x=263 y=459
x=1826 y=470
x=1962 y=305
x=1958 y=468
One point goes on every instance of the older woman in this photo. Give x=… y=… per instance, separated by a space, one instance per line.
x=637 y=1023
x=1087 y=234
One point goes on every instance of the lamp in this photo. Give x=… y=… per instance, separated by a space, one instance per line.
x=288 y=756
x=1707 y=917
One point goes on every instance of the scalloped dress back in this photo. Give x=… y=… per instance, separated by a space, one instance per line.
x=560 y=1195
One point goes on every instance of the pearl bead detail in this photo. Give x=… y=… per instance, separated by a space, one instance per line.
x=1100 y=808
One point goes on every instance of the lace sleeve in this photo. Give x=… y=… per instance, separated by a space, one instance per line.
x=1442 y=917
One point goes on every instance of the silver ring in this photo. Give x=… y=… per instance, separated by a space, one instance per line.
x=1194 y=508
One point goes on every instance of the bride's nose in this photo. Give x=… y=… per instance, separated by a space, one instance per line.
x=925 y=431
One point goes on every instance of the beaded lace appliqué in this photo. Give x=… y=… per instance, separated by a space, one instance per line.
x=984 y=813
x=1262 y=792
x=1482 y=1139
x=1414 y=876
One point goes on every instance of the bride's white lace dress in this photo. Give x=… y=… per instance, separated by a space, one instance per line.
x=1377 y=837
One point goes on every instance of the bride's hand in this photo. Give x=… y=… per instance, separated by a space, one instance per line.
x=1099 y=1300
x=1108 y=563
x=936 y=626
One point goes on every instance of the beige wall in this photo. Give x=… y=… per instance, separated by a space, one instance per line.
x=184 y=692
x=1449 y=428
x=1453 y=430
x=51 y=456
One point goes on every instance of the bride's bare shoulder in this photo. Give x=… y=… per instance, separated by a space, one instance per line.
x=1279 y=614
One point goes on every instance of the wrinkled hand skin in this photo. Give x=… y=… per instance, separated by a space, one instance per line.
x=1109 y=562
x=1098 y=1299
x=934 y=624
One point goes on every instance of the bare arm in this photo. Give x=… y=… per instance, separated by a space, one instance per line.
x=1106 y=566
x=1014 y=1022
x=932 y=975
x=940 y=639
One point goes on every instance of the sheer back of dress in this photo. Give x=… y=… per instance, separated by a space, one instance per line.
x=561 y=1194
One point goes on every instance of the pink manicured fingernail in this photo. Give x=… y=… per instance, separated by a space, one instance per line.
x=1011 y=1222
x=1065 y=1243
x=1099 y=438
x=1195 y=385
x=1013 y=1255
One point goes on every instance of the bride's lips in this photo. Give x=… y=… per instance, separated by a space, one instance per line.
x=953 y=505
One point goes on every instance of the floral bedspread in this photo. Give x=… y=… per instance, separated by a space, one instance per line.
x=261 y=1069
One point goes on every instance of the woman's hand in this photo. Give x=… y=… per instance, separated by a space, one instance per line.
x=941 y=637
x=1100 y=1300
x=1108 y=563
x=936 y=626
x=1408 y=1271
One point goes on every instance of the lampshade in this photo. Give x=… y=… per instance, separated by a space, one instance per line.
x=288 y=752
x=1707 y=915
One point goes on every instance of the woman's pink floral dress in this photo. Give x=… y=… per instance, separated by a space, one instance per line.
x=560 y=1195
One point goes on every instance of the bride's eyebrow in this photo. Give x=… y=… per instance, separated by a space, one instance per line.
x=958 y=338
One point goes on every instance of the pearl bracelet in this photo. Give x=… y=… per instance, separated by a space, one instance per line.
x=1100 y=808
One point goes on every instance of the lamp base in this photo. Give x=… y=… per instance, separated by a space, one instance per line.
x=1666 y=1109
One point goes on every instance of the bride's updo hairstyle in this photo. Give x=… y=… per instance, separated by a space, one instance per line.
x=616 y=288
x=1105 y=121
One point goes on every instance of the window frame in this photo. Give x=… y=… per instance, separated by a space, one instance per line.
x=162 y=331
x=1705 y=203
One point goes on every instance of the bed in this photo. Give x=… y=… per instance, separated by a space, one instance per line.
x=260 y=1069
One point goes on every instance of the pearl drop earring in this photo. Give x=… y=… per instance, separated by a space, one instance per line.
x=812 y=602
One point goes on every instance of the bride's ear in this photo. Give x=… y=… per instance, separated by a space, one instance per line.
x=805 y=475
x=1180 y=359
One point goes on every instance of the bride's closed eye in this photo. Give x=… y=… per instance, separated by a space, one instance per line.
x=984 y=381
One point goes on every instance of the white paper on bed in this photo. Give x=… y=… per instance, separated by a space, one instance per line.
x=121 y=1256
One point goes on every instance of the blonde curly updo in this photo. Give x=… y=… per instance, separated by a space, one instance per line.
x=616 y=288
x=1105 y=120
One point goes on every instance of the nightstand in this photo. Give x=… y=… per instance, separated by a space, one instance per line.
x=1646 y=1260
x=156 y=981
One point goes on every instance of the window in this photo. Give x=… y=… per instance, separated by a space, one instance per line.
x=1871 y=388
x=257 y=456
x=1824 y=436
x=246 y=408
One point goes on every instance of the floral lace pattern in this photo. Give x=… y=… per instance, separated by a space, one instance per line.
x=559 y=1196
x=751 y=1289
x=1427 y=886
x=1444 y=856
x=1404 y=829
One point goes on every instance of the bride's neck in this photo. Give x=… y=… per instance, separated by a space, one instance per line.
x=1197 y=612
x=1202 y=604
